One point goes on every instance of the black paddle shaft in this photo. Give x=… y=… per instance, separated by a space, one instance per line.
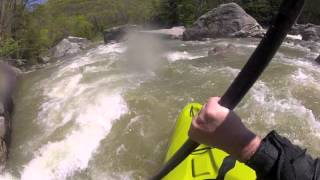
x=288 y=13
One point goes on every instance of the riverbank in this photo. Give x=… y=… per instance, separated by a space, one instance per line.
x=8 y=80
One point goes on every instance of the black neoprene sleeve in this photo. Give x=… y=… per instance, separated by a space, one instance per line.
x=277 y=158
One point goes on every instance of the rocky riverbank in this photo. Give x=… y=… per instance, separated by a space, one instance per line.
x=8 y=79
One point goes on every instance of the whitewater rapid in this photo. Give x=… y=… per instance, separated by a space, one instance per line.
x=109 y=113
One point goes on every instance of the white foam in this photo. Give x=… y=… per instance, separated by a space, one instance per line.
x=61 y=159
x=178 y=55
x=238 y=45
x=133 y=121
x=307 y=65
x=122 y=148
x=57 y=93
x=302 y=78
x=112 y=51
x=7 y=176
x=233 y=72
x=195 y=43
x=298 y=37
x=262 y=95
x=94 y=69
x=109 y=48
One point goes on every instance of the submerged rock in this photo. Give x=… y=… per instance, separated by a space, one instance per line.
x=309 y=32
x=69 y=46
x=311 y=45
x=221 y=51
x=118 y=33
x=227 y=20
x=318 y=59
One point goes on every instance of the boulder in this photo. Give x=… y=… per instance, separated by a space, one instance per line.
x=227 y=20
x=309 y=32
x=2 y=109
x=296 y=29
x=44 y=59
x=8 y=78
x=3 y=141
x=3 y=128
x=83 y=42
x=318 y=59
x=221 y=51
x=118 y=33
x=69 y=46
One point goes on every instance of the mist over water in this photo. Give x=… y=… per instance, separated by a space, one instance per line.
x=110 y=112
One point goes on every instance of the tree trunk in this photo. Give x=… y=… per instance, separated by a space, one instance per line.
x=9 y=10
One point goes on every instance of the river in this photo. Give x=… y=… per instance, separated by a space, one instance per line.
x=109 y=113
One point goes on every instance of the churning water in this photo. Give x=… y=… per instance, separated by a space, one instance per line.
x=110 y=112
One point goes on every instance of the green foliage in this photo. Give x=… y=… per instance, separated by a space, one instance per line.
x=183 y=12
x=8 y=47
x=47 y=24
x=34 y=32
x=311 y=13
x=262 y=10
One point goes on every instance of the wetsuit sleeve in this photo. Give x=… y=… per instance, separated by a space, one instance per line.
x=277 y=158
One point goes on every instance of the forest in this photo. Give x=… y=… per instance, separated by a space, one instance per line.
x=28 y=30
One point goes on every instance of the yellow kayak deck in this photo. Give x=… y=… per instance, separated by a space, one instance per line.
x=204 y=162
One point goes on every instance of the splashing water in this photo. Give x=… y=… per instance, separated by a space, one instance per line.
x=109 y=113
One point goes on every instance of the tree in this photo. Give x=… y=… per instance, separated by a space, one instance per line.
x=6 y=16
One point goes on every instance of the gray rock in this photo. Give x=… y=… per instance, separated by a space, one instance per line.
x=3 y=152
x=83 y=42
x=8 y=78
x=318 y=59
x=69 y=46
x=3 y=128
x=227 y=20
x=245 y=33
x=118 y=33
x=309 y=32
x=311 y=45
x=2 y=109
x=44 y=59
x=295 y=30
x=65 y=47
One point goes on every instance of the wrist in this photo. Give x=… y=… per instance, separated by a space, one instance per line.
x=250 y=149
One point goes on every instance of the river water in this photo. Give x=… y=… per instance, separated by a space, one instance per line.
x=109 y=113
